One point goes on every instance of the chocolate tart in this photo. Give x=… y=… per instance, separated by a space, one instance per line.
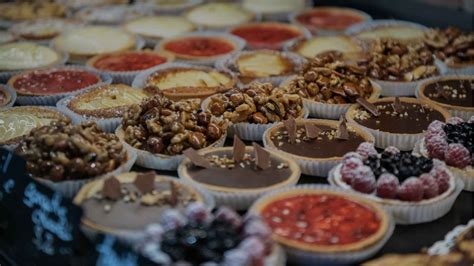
x=158 y=27
x=402 y=128
x=309 y=48
x=318 y=154
x=27 y=55
x=238 y=184
x=43 y=29
x=454 y=93
x=125 y=204
x=219 y=15
x=7 y=98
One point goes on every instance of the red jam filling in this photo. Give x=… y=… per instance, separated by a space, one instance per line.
x=321 y=219
x=53 y=82
x=199 y=46
x=329 y=19
x=129 y=61
x=266 y=33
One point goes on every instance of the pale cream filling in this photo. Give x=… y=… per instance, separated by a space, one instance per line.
x=219 y=14
x=261 y=65
x=192 y=78
x=15 y=125
x=112 y=98
x=318 y=45
x=25 y=55
x=163 y=26
x=395 y=32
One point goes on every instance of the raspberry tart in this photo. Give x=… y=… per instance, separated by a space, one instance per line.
x=452 y=142
x=415 y=189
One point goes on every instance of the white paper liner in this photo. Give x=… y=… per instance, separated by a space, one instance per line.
x=467 y=70
x=51 y=100
x=360 y=27
x=297 y=60
x=446 y=245
x=238 y=42
x=70 y=188
x=300 y=257
x=12 y=94
x=409 y=212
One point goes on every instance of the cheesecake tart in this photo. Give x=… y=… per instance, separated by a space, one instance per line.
x=453 y=92
x=388 y=29
x=28 y=11
x=398 y=122
x=311 y=47
x=236 y=176
x=17 y=122
x=268 y=35
x=27 y=55
x=323 y=224
x=7 y=96
x=111 y=14
x=43 y=29
x=155 y=28
x=219 y=15
x=181 y=81
x=274 y=10
x=316 y=145
x=89 y=41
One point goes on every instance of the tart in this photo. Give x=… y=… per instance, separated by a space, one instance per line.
x=6 y=97
x=129 y=202
x=189 y=82
x=43 y=29
x=218 y=15
x=128 y=61
x=111 y=14
x=275 y=8
x=316 y=45
x=6 y=37
x=322 y=20
x=400 y=122
x=401 y=32
x=238 y=176
x=26 y=55
x=270 y=35
x=86 y=42
x=451 y=92
x=17 y=122
x=315 y=144
x=159 y=27
x=453 y=144
x=28 y=11
x=311 y=221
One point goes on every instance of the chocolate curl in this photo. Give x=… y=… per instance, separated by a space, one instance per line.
x=342 y=132
x=173 y=199
x=397 y=105
x=196 y=158
x=290 y=126
x=238 y=151
x=312 y=131
x=368 y=106
x=145 y=182
x=111 y=188
x=262 y=157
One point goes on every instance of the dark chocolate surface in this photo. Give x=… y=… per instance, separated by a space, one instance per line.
x=458 y=92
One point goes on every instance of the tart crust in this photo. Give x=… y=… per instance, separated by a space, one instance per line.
x=358 y=246
x=91 y=62
x=7 y=95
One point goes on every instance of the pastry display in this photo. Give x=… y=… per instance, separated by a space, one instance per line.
x=316 y=145
x=398 y=122
x=387 y=29
x=218 y=15
x=17 y=122
x=276 y=9
x=111 y=14
x=314 y=46
x=238 y=175
x=222 y=238
x=453 y=143
x=27 y=55
x=7 y=97
x=452 y=92
x=267 y=35
x=159 y=27
x=28 y=11
x=43 y=29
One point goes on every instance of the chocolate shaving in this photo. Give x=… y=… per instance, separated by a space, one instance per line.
x=111 y=188
x=290 y=126
x=196 y=158
x=145 y=182
x=238 y=151
x=397 y=105
x=311 y=130
x=342 y=132
x=440 y=92
x=368 y=106
x=262 y=157
x=173 y=199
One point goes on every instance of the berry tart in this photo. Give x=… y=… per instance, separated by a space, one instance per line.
x=398 y=122
x=236 y=176
x=179 y=81
x=214 y=16
x=253 y=109
x=268 y=35
x=316 y=145
x=125 y=66
x=415 y=189
x=453 y=143
x=275 y=10
x=64 y=157
x=7 y=96
x=388 y=29
x=159 y=130
x=198 y=237
x=124 y=205
x=453 y=92
x=311 y=47
x=319 y=224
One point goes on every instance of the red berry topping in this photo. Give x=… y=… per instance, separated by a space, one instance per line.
x=351 y=155
x=455 y=120
x=457 y=155
x=365 y=149
x=436 y=126
x=392 y=150
x=411 y=190
x=229 y=215
x=363 y=180
x=387 y=186
x=442 y=176
x=430 y=186
x=436 y=147
x=348 y=169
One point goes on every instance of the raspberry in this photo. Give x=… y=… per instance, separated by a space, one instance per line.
x=363 y=180
x=351 y=155
x=227 y=214
x=442 y=176
x=348 y=168
x=392 y=150
x=430 y=186
x=454 y=120
x=436 y=147
x=365 y=149
x=197 y=212
x=432 y=134
x=172 y=219
x=457 y=155
x=411 y=190
x=254 y=248
x=236 y=257
x=387 y=186
x=436 y=126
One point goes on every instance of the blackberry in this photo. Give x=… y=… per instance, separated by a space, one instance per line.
x=462 y=133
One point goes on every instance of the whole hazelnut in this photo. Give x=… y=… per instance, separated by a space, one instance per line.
x=213 y=131
x=155 y=144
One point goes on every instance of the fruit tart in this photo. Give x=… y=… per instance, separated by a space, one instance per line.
x=453 y=143
x=415 y=189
